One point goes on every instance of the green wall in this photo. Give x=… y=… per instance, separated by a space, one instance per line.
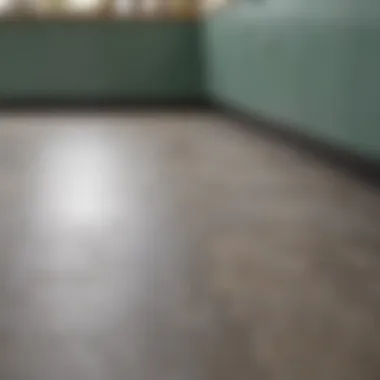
x=153 y=60
x=313 y=65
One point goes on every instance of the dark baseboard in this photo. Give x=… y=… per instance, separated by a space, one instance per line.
x=351 y=164
x=116 y=104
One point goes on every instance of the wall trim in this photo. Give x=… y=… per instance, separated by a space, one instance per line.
x=41 y=104
x=351 y=164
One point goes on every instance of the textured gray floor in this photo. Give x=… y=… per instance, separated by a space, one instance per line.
x=174 y=246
